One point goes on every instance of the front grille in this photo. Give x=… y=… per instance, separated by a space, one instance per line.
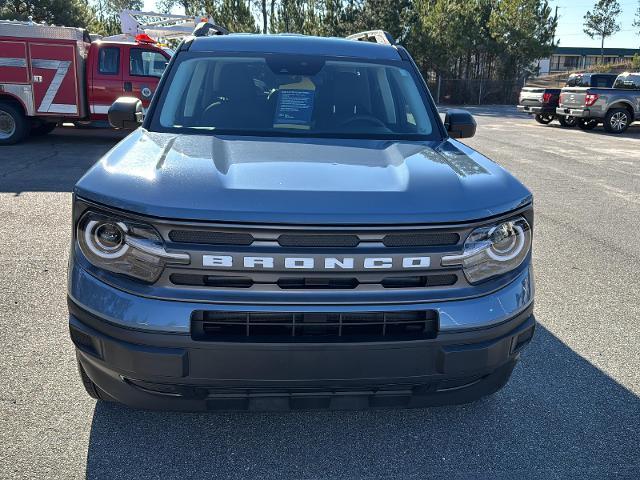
x=320 y=258
x=313 y=283
x=315 y=240
x=313 y=327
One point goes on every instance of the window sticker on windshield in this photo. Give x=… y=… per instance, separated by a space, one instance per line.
x=294 y=109
x=295 y=105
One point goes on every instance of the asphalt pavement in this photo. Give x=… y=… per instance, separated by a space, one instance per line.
x=571 y=409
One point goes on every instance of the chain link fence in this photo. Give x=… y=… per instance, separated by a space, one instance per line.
x=474 y=92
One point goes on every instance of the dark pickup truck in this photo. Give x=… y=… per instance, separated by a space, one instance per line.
x=543 y=102
x=616 y=108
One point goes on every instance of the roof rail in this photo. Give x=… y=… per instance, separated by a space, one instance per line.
x=204 y=29
x=375 y=36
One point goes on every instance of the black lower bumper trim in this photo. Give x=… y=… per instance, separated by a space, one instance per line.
x=379 y=396
x=174 y=372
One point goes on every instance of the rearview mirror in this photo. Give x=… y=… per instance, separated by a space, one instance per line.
x=460 y=124
x=126 y=112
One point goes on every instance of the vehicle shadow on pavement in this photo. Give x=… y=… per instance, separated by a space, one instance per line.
x=54 y=162
x=633 y=132
x=559 y=417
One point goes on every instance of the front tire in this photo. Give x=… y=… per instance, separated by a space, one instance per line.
x=544 y=119
x=617 y=120
x=587 y=124
x=14 y=126
x=568 y=122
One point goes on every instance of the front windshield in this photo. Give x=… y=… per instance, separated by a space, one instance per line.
x=293 y=95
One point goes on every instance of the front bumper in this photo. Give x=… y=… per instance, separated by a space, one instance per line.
x=573 y=112
x=139 y=351
x=174 y=372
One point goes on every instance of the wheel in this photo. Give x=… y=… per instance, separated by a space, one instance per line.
x=92 y=389
x=617 y=120
x=43 y=128
x=568 y=122
x=544 y=118
x=588 y=124
x=14 y=126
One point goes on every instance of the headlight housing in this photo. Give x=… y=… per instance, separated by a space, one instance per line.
x=123 y=246
x=493 y=250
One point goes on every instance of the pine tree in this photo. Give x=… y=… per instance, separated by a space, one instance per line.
x=71 y=13
x=601 y=22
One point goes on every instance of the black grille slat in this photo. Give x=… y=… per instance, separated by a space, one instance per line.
x=317 y=283
x=216 y=281
x=440 y=280
x=313 y=326
x=313 y=283
x=307 y=240
x=421 y=239
x=420 y=281
x=206 y=237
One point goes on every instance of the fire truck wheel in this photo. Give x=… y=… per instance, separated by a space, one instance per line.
x=14 y=126
x=43 y=128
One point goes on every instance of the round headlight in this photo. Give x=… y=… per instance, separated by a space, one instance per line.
x=123 y=246
x=507 y=241
x=109 y=236
x=493 y=250
x=106 y=239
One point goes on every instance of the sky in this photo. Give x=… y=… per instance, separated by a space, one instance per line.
x=571 y=20
x=570 y=23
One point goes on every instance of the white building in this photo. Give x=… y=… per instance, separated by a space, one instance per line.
x=565 y=59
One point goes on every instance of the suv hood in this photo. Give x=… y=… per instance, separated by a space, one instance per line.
x=304 y=181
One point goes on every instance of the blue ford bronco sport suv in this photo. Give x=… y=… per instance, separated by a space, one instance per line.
x=292 y=226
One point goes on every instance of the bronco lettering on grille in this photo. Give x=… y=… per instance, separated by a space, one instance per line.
x=314 y=263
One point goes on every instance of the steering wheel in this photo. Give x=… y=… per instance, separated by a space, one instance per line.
x=218 y=101
x=363 y=118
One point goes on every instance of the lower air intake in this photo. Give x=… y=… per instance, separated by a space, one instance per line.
x=322 y=327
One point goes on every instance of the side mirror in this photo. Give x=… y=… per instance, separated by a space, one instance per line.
x=126 y=112
x=460 y=124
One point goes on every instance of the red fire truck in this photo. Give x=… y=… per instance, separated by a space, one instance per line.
x=51 y=74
